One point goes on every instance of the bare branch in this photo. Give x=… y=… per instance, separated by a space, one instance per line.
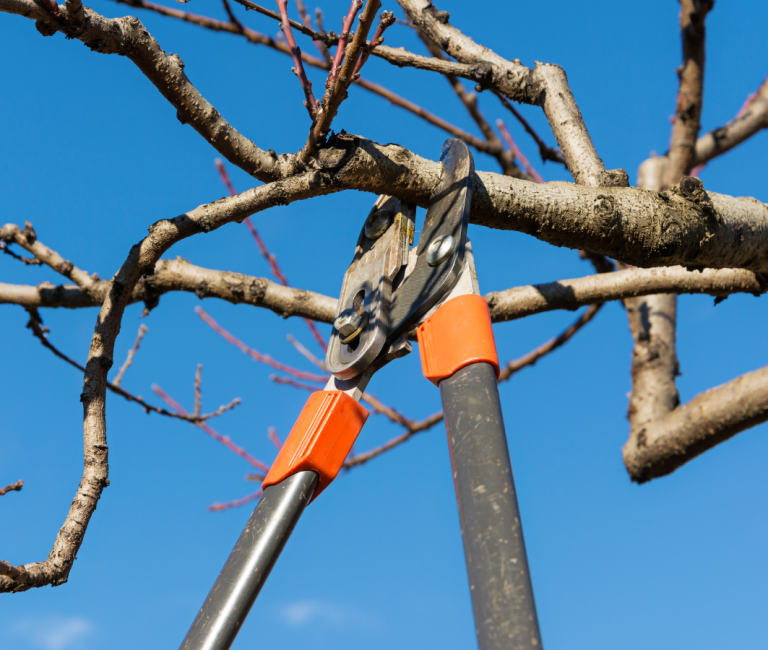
x=224 y=440
x=143 y=329
x=685 y=129
x=339 y=79
x=546 y=85
x=13 y=487
x=306 y=353
x=306 y=84
x=255 y=354
x=418 y=427
x=620 y=285
x=535 y=176
x=142 y=257
x=180 y=275
x=27 y=239
x=751 y=118
x=496 y=149
x=545 y=151
x=35 y=325
x=511 y=367
x=708 y=419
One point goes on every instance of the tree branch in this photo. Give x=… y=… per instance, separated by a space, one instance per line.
x=708 y=419
x=142 y=258
x=685 y=129
x=13 y=487
x=546 y=85
x=520 y=302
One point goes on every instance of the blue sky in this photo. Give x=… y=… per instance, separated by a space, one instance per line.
x=92 y=155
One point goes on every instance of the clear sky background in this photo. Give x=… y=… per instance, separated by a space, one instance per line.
x=92 y=155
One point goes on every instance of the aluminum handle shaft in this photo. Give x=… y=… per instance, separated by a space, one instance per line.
x=249 y=564
x=500 y=582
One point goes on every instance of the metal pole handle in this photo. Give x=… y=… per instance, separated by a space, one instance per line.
x=500 y=582
x=249 y=564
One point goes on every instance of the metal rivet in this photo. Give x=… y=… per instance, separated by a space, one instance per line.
x=440 y=250
x=349 y=324
x=377 y=224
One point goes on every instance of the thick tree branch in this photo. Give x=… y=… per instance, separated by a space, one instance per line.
x=750 y=120
x=708 y=419
x=128 y=37
x=180 y=275
x=520 y=302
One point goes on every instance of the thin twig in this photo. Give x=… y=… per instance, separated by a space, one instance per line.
x=143 y=329
x=198 y=383
x=30 y=261
x=13 y=487
x=545 y=151
x=218 y=507
x=257 y=38
x=533 y=356
x=516 y=151
x=287 y=381
x=270 y=257
x=272 y=435
x=35 y=325
x=306 y=353
x=341 y=47
x=386 y=19
x=255 y=354
x=224 y=440
x=418 y=427
x=298 y=70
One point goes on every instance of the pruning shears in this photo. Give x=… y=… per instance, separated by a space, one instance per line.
x=388 y=291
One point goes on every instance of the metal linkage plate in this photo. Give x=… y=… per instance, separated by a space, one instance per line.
x=366 y=293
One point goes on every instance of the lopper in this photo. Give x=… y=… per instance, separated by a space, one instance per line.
x=389 y=291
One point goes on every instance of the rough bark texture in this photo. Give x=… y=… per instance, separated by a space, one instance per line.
x=707 y=420
x=685 y=129
x=619 y=285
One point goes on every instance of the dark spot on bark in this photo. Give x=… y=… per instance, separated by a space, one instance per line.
x=257 y=289
x=614 y=178
x=65 y=268
x=201 y=290
x=719 y=299
x=642 y=440
x=605 y=210
x=104 y=361
x=96 y=45
x=182 y=116
x=117 y=290
x=690 y=187
x=440 y=16
x=46 y=29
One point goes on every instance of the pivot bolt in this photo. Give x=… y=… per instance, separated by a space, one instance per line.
x=349 y=324
x=377 y=223
x=440 y=250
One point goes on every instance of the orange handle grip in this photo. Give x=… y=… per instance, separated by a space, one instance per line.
x=320 y=440
x=458 y=334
